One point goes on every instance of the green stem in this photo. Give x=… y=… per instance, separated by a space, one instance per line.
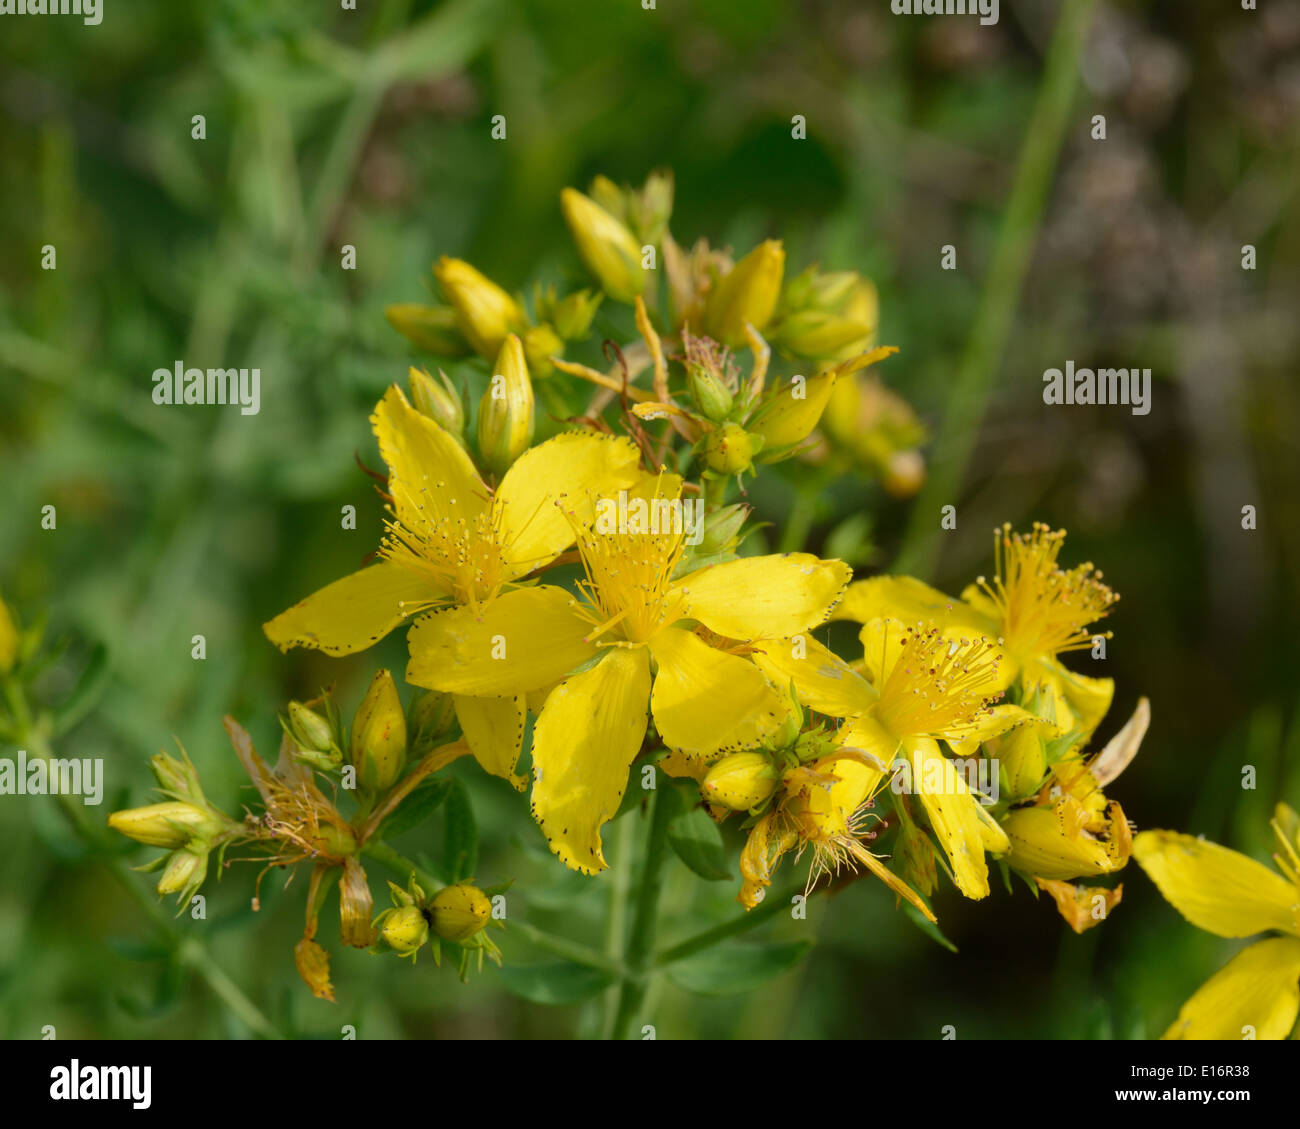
x=638 y=953
x=969 y=394
x=769 y=908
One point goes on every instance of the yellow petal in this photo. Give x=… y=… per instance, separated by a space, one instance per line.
x=993 y=723
x=518 y=642
x=830 y=810
x=1217 y=889
x=764 y=597
x=822 y=680
x=494 y=730
x=586 y=738
x=566 y=473
x=959 y=822
x=1258 y=989
x=430 y=476
x=910 y=600
x=706 y=700
x=352 y=613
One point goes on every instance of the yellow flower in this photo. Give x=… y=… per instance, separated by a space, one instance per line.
x=484 y=312
x=1038 y=610
x=1231 y=895
x=629 y=641
x=924 y=687
x=452 y=541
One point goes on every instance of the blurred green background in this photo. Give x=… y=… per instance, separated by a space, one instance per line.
x=372 y=128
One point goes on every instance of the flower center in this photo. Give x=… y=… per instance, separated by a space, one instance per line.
x=1045 y=609
x=629 y=575
x=938 y=686
x=457 y=555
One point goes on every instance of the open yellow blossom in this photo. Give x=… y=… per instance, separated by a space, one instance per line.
x=1257 y=993
x=450 y=540
x=631 y=639
x=1037 y=610
x=924 y=687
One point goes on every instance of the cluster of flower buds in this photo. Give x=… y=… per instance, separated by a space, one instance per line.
x=186 y=825
x=456 y=915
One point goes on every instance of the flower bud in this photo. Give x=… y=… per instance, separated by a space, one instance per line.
x=484 y=312
x=573 y=314
x=171 y=824
x=440 y=402
x=309 y=729
x=650 y=209
x=185 y=870
x=404 y=930
x=431 y=717
x=432 y=328
x=748 y=294
x=176 y=777
x=459 y=912
x=1022 y=759
x=605 y=245
x=728 y=449
x=740 y=782
x=818 y=335
x=709 y=392
x=904 y=474
x=378 y=746
x=790 y=413
x=541 y=343
x=505 y=414
x=722 y=530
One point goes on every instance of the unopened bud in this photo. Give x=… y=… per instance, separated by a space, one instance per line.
x=748 y=294
x=728 y=449
x=605 y=245
x=484 y=312
x=431 y=717
x=505 y=414
x=787 y=418
x=541 y=343
x=171 y=824
x=404 y=930
x=572 y=315
x=741 y=781
x=185 y=870
x=709 y=391
x=378 y=745
x=309 y=729
x=432 y=328
x=439 y=401
x=459 y=912
x=818 y=335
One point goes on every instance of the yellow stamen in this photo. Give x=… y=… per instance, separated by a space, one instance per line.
x=938 y=686
x=1045 y=610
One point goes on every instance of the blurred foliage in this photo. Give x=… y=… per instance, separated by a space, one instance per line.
x=372 y=128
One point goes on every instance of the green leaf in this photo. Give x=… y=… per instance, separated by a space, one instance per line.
x=424 y=800
x=928 y=927
x=698 y=843
x=726 y=970
x=562 y=983
x=460 y=837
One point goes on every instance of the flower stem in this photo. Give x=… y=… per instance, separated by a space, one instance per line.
x=638 y=953
x=770 y=907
